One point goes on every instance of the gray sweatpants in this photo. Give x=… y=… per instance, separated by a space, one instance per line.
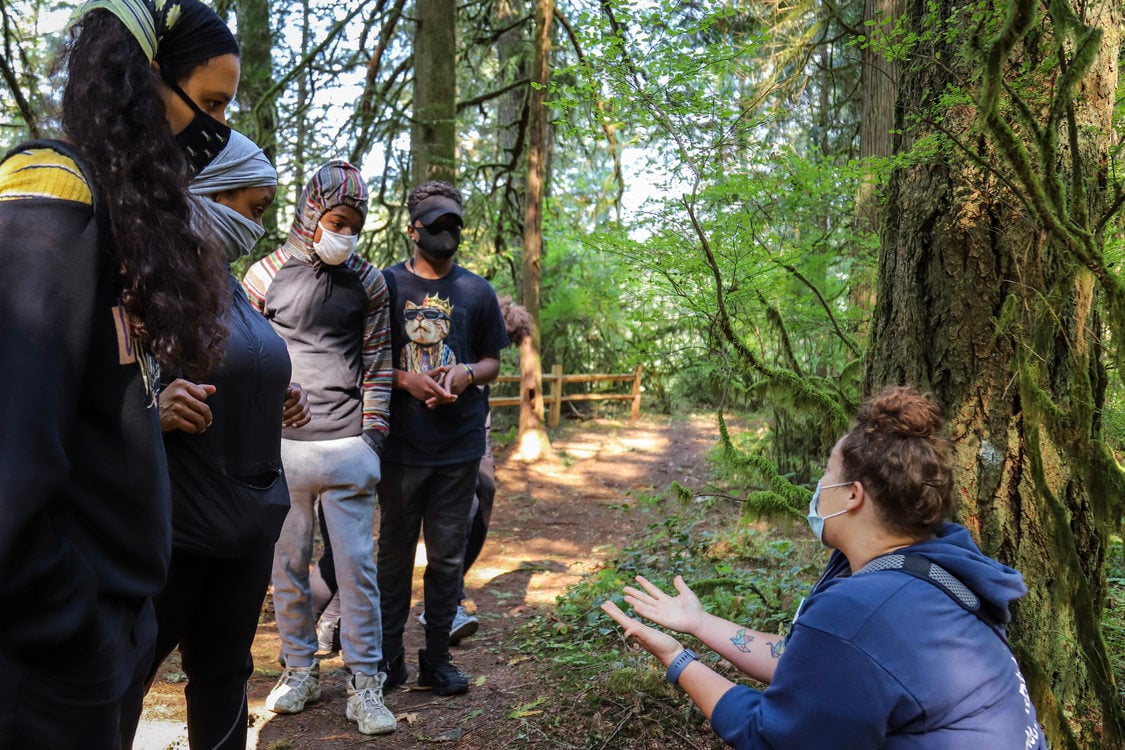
x=342 y=475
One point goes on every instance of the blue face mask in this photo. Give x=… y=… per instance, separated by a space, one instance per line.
x=816 y=522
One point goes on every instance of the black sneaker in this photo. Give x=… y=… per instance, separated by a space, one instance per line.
x=440 y=675
x=395 y=669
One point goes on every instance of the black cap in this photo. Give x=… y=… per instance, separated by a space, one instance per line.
x=430 y=209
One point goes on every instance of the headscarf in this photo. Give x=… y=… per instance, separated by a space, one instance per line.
x=172 y=32
x=337 y=183
x=241 y=164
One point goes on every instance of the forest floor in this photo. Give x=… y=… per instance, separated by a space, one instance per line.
x=553 y=521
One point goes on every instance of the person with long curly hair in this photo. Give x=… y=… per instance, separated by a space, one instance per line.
x=902 y=642
x=104 y=283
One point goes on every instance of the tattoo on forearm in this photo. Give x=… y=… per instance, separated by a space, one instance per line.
x=741 y=640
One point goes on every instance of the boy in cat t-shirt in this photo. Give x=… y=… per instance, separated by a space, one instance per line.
x=446 y=336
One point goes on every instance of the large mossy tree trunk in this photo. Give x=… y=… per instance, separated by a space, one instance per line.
x=988 y=296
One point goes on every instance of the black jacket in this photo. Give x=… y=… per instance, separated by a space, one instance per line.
x=229 y=497
x=84 y=501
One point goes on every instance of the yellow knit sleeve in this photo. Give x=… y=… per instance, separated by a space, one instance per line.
x=43 y=173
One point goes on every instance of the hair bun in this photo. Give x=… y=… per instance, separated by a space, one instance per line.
x=901 y=411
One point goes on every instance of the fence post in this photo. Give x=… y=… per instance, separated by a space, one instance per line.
x=556 y=395
x=636 y=411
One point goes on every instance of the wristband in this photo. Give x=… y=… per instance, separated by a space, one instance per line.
x=469 y=372
x=679 y=664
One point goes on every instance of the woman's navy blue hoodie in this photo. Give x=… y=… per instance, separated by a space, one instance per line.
x=889 y=660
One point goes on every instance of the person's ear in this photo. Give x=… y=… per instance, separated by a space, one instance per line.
x=858 y=496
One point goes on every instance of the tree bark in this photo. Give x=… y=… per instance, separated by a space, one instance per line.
x=511 y=127
x=980 y=302
x=533 y=440
x=879 y=80
x=433 y=142
x=256 y=42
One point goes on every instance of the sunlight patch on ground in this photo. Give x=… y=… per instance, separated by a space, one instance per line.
x=158 y=734
x=591 y=446
x=629 y=455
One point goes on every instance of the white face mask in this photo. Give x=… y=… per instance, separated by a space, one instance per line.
x=333 y=248
x=816 y=521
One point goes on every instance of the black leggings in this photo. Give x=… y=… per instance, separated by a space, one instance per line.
x=210 y=609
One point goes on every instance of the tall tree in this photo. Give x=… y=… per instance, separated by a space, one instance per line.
x=433 y=142
x=257 y=107
x=19 y=74
x=511 y=124
x=533 y=440
x=880 y=75
x=990 y=275
x=256 y=41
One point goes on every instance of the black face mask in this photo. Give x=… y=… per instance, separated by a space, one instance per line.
x=203 y=138
x=441 y=244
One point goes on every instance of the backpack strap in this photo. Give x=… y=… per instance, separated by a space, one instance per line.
x=920 y=567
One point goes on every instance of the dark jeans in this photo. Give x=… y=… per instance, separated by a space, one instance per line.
x=433 y=500
x=210 y=607
x=93 y=701
x=322 y=579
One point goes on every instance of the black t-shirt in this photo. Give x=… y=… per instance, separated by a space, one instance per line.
x=435 y=322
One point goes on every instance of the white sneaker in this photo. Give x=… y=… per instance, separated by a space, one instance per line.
x=464 y=625
x=365 y=704
x=297 y=686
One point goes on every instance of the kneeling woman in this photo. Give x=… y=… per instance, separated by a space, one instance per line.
x=900 y=644
x=229 y=496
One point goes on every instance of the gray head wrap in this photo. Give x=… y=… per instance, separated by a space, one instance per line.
x=241 y=164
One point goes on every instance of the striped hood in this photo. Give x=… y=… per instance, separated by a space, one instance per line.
x=336 y=183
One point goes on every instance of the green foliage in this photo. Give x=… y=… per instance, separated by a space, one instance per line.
x=1113 y=421
x=1113 y=619
x=740 y=571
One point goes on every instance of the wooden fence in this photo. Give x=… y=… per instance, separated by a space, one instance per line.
x=553 y=383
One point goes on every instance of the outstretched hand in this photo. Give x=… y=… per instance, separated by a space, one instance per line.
x=656 y=642
x=682 y=613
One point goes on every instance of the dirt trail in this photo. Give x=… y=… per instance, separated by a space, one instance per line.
x=552 y=522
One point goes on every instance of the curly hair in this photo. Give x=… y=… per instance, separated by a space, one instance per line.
x=430 y=189
x=516 y=319
x=896 y=450
x=172 y=283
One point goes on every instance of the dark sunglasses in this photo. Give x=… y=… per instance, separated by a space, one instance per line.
x=427 y=313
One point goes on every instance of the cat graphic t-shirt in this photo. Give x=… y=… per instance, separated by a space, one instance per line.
x=434 y=323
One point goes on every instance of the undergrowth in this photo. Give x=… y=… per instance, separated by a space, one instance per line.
x=616 y=696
